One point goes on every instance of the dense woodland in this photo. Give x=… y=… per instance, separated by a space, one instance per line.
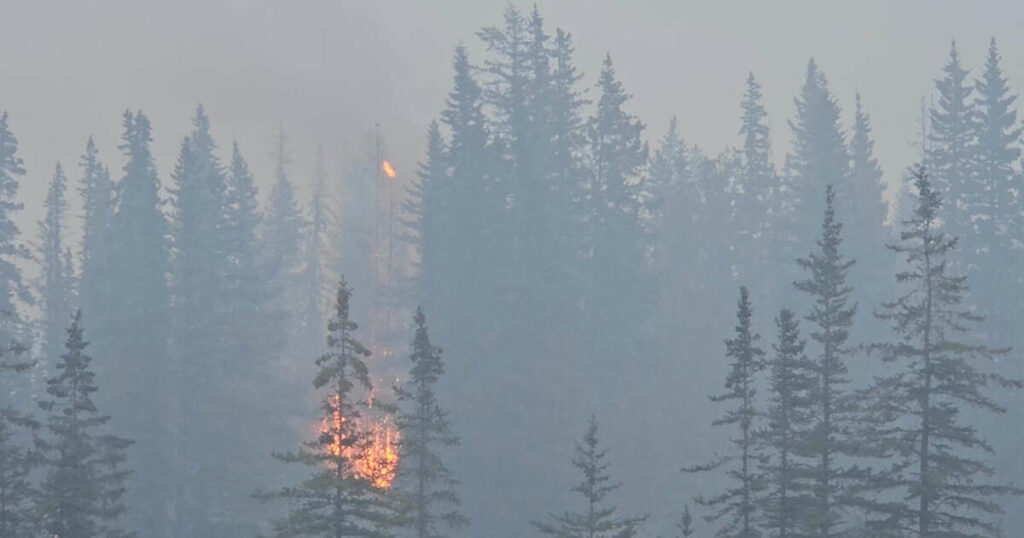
x=207 y=360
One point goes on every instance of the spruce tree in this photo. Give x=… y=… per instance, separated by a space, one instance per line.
x=685 y=524
x=867 y=185
x=738 y=504
x=617 y=297
x=56 y=287
x=315 y=254
x=937 y=481
x=17 y=460
x=97 y=192
x=831 y=440
x=789 y=415
x=282 y=238
x=80 y=495
x=758 y=181
x=819 y=156
x=12 y=250
x=596 y=519
x=951 y=143
x=135 y=333
x=335 y=501
x=425 y=487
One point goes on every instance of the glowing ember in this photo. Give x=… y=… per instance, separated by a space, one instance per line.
x=388 y=170
x=377 y=458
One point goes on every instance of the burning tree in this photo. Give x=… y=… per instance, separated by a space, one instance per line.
x=340 y=498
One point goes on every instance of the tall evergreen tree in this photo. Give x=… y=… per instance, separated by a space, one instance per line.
x=685 y=524
x=12 y=250
x=617 y=298
x=283 y=229
x=738 y=504
x=315 y=254
x=426 y=488
x=819 y=155
x=83 y=481
x=754 y=201
x=136 y=333
x=951 y=143
x=97 y=192
x=831 y=439
x=334 y=501
x=938 y=482
x=17 y=461
x=867 y=185
x=596 y=519
x=56 y=288
x=791 y=381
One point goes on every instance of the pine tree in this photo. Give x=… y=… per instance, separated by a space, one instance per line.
x=17 y=462
x=315 y=252
x=97 y=192
x=616 y=300
x=738 y=503
x=819 y=156
x=831 y=440
x=754 y=202
x=56 y=286
x=596 y=519
x=12 y=251
x=951 y=143
x=791 y=382
x=938 y=482
x=685 y=524
x=995 y=205
x=282 y=237
x=136 y=332
x=82 y=485
x=335 y=501
x=425 y=486
x=867 y=185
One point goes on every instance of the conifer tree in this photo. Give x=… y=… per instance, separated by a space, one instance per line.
x=315 y=252
x=738 y=504
x=17 y=462
x=753 y=206
x=791 y=382
x=596 y=519
x=283 y=229
x=939 y=481
x=334 y=501
x=136 y=332
x=819 y=155
x=83 y=480
x=616 y=299
x=427 y=213
x=56 y=286
x=831 y=439
x=97 y=192
x=12 y=250
x=685 y=524
x=867 y=185
x=425 y=486
x=951 y=143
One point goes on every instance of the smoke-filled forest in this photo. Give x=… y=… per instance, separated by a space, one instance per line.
x=560 y=322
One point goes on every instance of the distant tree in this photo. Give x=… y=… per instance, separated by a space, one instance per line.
x=938 y=481
x=12 y=250
x=596 y=519
x=685 y=524
x=425 y=486
x=315 y=255
x=792 y=380
x=56 y=287
x=738 y=504
x=819 y=156
x=334 y=501
x=136 y=331
x=867 y=190
x=97 y=192
x=80 y=495
x=758 y=181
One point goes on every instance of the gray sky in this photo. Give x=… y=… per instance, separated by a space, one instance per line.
x=330 y=69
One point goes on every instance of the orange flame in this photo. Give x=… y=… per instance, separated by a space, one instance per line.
x=388 y=170
x=376 y=459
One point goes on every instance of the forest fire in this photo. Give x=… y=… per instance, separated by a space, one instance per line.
x=374 y=459
x=388 y=170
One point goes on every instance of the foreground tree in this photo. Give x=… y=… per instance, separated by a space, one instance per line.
x=831 y=438
x=425 y=486
x=80 y=493
x=738 y=503
x=791 y=382
x=335 y=501
x=938 y=483
x=597 y=519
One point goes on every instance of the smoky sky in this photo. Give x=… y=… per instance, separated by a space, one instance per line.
x=329 y=70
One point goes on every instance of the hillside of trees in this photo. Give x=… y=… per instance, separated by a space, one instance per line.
x=560 y=325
